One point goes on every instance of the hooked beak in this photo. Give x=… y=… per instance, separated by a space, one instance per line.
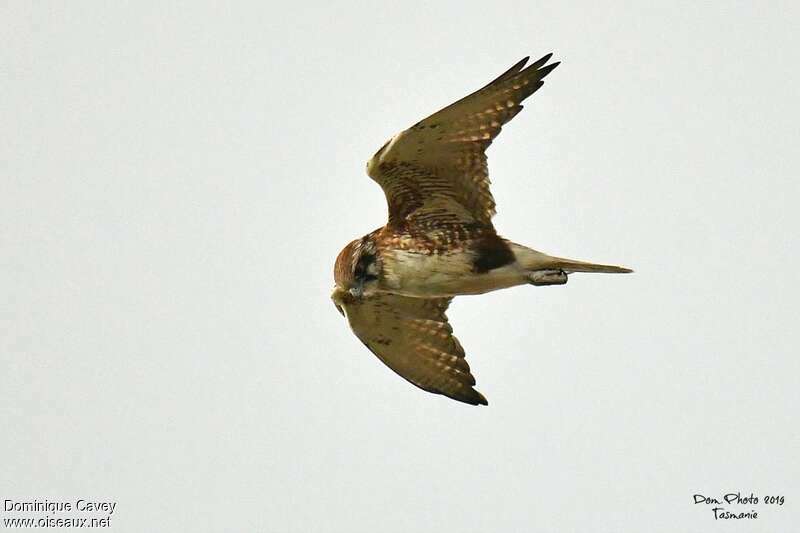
x=342 y=297
x=338 y=297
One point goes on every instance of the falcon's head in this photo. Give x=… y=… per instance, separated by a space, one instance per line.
x=356 y=272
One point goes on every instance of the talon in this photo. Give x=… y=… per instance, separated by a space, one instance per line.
x=547 y=277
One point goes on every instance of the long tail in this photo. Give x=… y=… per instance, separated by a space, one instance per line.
x=534 y=260
x=570 y=265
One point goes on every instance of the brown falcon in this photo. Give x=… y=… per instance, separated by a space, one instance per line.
x=395 y=283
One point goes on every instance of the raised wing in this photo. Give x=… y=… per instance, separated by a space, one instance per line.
x=442 y=158
x=413 y=338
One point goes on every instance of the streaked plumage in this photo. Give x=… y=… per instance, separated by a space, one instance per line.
x=395 y=284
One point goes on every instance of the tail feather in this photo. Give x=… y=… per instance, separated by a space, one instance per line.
x=570 y=265
x=534 y=260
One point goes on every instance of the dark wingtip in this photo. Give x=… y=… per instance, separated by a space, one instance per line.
x=517 y=67
x=478 y=398
x=541 y=61
x=469 y=396
x=513 y=71
x=545 y=58
x=544 y=71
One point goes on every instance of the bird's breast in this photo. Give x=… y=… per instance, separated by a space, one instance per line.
x=435 y=275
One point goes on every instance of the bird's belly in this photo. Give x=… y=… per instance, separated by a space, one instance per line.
x=442 y=275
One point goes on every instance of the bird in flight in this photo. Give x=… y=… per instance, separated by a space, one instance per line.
x=394 y=284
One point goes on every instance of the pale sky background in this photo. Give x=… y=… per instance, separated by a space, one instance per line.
x=178 y=179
